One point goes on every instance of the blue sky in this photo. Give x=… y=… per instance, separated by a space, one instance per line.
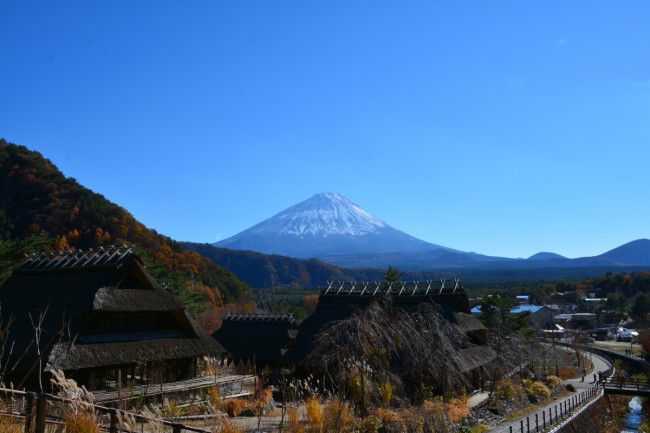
x=505 y=128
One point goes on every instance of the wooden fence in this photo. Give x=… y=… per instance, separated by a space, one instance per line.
x=40 y=410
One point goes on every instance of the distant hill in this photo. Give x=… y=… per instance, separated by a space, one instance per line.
x=635 y=253
x=546 y=256
x=272 y=270
x=40 y=207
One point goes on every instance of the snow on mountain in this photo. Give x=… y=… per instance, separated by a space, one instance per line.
x=323 y=214
x=323 y=225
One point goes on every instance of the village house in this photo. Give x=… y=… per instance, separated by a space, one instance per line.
x=99 y=317
x=273 y=341
x=540 y=316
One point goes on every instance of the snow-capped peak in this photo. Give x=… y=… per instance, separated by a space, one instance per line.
x=324 y=214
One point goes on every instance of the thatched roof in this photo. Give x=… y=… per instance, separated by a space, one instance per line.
x=258 y=338
x=340 y=300
x=476 y=356
x=72 y=289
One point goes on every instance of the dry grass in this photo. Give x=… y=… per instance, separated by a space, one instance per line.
x=215 y=402
x=457 y=409
x=80 y=422
x=315 y=415
x=9 y=424
x=229 y=427
x=338 y=417
x=293 y=420
x=566 y=372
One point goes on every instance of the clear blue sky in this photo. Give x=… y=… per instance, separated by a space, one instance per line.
x=499 y=127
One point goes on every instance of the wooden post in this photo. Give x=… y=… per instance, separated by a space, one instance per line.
x=41 y=409
x=113 y=425
x=30 y=412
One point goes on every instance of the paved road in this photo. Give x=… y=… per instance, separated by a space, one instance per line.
x=600 y=365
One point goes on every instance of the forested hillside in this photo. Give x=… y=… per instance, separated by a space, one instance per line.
x=41 y=208
x=271 y=270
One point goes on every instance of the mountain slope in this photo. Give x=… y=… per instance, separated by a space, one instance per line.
x=635 y=253
x=326 y=224
x=36 y=198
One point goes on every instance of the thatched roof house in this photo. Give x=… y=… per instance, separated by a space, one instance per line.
x=339 y=300
x=104 y=320
x=257 y=338
x=273 y=342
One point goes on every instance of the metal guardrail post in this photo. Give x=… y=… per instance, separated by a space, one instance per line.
x=521 y=423
x=544 y=419
x=528 y=424
x=536 y=422
x=510 y=429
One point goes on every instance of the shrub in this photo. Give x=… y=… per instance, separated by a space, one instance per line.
x=235 y=406
x=386 y=393
x=540 y=389
x=369 y=424
x=571 y=388
x=505 y=391
x=554 y=381
x=537 y=388
x=457 y=409
x=315 y=415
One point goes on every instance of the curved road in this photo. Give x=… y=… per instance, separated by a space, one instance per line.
x=600 y=365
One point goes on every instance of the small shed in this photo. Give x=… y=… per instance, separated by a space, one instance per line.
x=257 y=338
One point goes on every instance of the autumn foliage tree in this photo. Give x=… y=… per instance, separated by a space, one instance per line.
x=37 y=199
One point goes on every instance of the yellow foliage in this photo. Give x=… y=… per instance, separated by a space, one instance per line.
x=554 y=381
x=293 y=420
x=214 y=398
x=535 y=387
x=338 y=417
x=386 y=393
x=315 y=415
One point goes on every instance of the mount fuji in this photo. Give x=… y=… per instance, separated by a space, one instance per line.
x=329 y=226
